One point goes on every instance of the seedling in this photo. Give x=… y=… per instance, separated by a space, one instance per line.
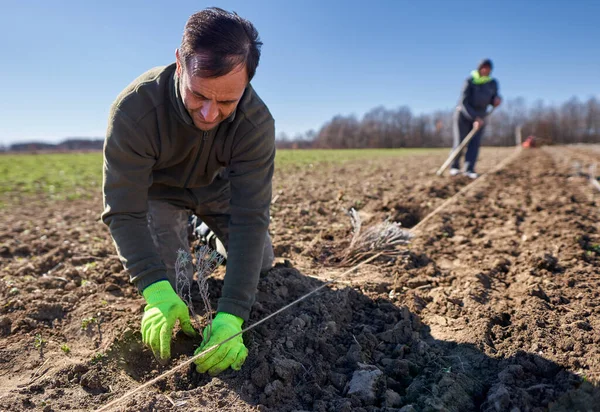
x=39 y=342
x=207 y=260
x=383 y=238
x=85 y=322
x=98 y=357
x=65 y=348
x=89 y=266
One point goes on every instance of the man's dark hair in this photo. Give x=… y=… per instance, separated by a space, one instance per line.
x=221 y=41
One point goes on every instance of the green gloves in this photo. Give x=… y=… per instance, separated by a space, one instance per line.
x=232 y=353
x=164 y=308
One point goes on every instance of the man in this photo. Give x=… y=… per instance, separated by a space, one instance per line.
x=193 y=138
x=479 y=91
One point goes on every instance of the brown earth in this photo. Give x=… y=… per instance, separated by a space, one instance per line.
x=495 y=306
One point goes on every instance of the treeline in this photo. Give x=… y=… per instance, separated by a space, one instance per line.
x=71 y=144
x=574 y=121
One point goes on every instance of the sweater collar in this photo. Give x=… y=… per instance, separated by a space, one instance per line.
x=479 y=79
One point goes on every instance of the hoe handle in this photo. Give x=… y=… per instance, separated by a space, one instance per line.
x=460 y=147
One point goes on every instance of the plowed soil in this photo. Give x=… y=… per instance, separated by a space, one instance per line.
x=495 y=306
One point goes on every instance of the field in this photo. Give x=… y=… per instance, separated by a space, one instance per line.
x=494 y=306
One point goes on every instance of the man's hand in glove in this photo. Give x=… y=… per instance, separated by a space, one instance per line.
x=164 y=307
x=232 y=354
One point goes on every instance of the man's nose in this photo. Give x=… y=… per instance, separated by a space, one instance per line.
x=209 y=111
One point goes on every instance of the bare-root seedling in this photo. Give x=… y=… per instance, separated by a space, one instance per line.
x=183 y=281
x=207 y=260
x=385 y=238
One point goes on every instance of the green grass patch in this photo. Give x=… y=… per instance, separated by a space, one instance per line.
x=60 y=176
x=66 y=176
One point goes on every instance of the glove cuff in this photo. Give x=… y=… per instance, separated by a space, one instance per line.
x=159 y=291
x=224 y=317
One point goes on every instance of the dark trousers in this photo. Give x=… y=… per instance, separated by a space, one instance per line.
x=461 y=128
x=168 y=221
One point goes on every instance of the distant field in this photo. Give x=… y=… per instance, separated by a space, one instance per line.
x=301 y=157
x=61 y=176
x=73 y=175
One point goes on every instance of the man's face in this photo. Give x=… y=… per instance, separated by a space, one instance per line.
x=209 y=101
x=485 y=71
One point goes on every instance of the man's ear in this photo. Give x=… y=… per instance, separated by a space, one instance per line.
x=178 y=62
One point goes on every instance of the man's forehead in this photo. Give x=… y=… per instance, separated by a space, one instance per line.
x=227 y=87
x=220 y=88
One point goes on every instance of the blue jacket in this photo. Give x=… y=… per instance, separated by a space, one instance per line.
x=476 y=97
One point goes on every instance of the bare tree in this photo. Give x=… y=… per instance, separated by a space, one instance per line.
x=571 y=122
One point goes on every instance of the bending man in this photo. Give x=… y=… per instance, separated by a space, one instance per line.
x=193 y=138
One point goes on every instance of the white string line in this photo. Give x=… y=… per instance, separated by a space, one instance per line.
x=466 y=189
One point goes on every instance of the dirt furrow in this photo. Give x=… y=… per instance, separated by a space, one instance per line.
x=495 y=307
x=517 y=264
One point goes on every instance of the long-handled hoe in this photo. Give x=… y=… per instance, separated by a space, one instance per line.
x=456 y=152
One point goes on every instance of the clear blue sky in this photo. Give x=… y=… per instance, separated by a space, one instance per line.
x=63 y=62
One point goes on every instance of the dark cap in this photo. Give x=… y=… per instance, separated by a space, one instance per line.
x=485 y=62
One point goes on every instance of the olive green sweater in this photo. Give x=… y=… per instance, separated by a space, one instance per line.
x=153 y=150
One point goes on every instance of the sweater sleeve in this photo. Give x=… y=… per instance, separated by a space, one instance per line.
x=496 y=93
x=129 y=156
x=466 y=108
x=251 y=172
